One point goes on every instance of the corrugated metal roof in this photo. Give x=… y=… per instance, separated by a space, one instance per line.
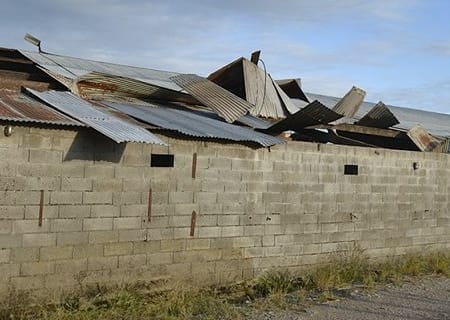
x=349 y=104
x=436 y=123
x=117 y=129
x=192 y=123
x=423 y=140
x=379 y=117
x=97 y=85
x=16 y=106
x=260 y=91
x=73 y=68
x=314 y=113
x=229 y=106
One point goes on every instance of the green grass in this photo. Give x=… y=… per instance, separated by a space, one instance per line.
x=277 y=289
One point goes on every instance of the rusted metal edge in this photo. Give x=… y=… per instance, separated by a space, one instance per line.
x=149 y=208
x=41 y=209
x=194 y=165
x=193 y=222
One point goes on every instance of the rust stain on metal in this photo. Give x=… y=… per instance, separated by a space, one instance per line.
x=193 y=222
x=149 y=209
x=16 y=106
x=423 y=139
x=194 y=165
x=41 y=208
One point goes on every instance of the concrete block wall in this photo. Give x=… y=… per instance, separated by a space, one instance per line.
x=259 y=209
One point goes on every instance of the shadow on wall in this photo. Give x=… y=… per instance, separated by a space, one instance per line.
x=92 y=146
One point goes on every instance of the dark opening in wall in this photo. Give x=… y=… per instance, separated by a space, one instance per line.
x=351 y=169
x=162 y=160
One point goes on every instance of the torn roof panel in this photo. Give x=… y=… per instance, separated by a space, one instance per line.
x=192 y=123
x=260 y=91
x=114 y=128
x=73 y=68
x=229 y=106
x=349 y=104
x=96 y=85
x=436 y=123
x=423 y=139
x=293 y=88
x=313 y=114
x=378 y=117
x=17 y=106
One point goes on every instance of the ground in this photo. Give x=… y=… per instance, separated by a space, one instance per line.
x=427 y=298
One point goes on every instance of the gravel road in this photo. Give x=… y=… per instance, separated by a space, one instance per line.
x=427 y=298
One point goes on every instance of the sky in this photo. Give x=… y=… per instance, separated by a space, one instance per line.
x=396 y=50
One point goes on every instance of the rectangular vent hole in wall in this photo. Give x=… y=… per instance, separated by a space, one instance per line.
x=351 y=169
x=162 y=160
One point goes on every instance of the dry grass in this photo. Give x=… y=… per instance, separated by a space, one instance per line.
x=278 y=289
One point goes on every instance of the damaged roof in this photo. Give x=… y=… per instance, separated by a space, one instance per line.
x=239 y=102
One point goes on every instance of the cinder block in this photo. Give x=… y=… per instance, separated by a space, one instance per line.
x=5 y=255
x=57 y=197
x=163 y=258
x=103 y=236
x=76 y=184
x=69 y=211
x=29 y=197
x=104 y=211
x=173 y=245
x=85 y=251
x=123 y=198
x=117 y=249
x=36 y=268
x=72 y=238
x=136 y=210
x=57 y=253
x=181 y=197
x=66 y=225
x=132 y=235
x=92 y=224
x=28 y=282
x=103 y=263
x=5 y=226
x=209 y=232
x=146 y=247
x=24 y=254
x=232 y=231
x=132 y=261
x=104 y=197
x=42 y=183
x=58 y=281
x=127 y=223
x=97 y=171
x=39 y=240
x=101 y=185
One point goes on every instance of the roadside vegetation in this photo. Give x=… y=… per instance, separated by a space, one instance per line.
x=277 y=289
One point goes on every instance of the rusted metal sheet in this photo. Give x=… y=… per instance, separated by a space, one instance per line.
x=114 y=128
x=227 y=105
x=41 y=209
x=72 y=68
x=349 y=104
x=17 y=106
x=379 y=117
x=96 y=85
x=194 y=165
x=424 y=140
x=192 y=122
x=313 y=114
x=193 y=223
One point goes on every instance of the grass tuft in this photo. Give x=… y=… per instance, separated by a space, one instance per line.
x=276 y=289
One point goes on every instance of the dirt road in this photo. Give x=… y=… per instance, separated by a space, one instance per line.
x=422 y=299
